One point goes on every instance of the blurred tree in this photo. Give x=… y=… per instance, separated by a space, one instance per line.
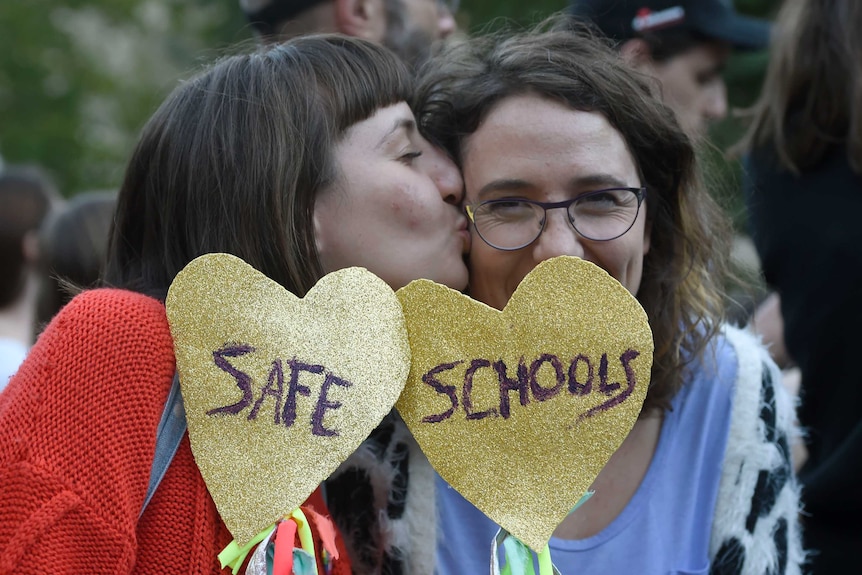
x=79 y=78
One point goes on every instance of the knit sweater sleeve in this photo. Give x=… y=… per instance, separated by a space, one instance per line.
x=77 y=435
x=756 y=529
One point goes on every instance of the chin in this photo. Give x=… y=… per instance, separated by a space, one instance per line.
x=456 y=280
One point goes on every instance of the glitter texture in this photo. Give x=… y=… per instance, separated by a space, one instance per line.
x=526 y=412
x=263 y=457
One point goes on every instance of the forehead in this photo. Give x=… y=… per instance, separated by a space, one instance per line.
x=532 y=138
x=383 y=125
x=409 y=5
x=704 y=54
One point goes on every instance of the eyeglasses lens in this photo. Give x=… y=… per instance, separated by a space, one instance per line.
x=600 y=216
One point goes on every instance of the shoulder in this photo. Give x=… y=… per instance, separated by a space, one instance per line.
x=127 y=303
x=755 y=528
x=95 y=370
x=759 y=397
x=78 y=422
x=111 y=313
x=104 y=333
x=712 y=376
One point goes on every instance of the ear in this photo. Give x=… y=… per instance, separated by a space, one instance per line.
x=637 y=53
x=647 y=236
x=361 y=18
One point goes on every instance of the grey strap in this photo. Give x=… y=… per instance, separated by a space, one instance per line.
x=168 y=436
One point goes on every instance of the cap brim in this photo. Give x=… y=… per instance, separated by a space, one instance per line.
x=739 y=31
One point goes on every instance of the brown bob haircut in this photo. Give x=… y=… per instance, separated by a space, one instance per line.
x=564 y=61
x=233 y=160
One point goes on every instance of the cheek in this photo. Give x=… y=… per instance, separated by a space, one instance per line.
x=621 y=258
x=494 y=274
x=400 y=208
x=632 y=260
x=421 y=208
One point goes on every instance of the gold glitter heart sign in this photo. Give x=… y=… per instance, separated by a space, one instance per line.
x=278 y=390
x=520 y=409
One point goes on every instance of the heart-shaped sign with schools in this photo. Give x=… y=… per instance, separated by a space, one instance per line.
x=279 y=391
x=520 y=409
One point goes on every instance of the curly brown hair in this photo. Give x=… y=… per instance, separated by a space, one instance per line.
x=684 y=271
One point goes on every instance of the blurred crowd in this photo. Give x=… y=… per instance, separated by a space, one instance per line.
x=802 y=182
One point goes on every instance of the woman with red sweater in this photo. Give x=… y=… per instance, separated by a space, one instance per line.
x=300 y=159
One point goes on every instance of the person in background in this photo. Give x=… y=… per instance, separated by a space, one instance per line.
x=684 y=44
x=26 y=197
x=300 y=159
x=804 y=191
x=407 y=27
x=73 y=244
x=565 y=152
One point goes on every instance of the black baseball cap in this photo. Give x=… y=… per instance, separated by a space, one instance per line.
x=716 y=19
x=266 y=15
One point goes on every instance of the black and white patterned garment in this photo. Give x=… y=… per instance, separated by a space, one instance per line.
x=382 y=499
x=756 y=528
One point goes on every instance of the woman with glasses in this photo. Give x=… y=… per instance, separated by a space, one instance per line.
x=566 y=152
x=300 y=159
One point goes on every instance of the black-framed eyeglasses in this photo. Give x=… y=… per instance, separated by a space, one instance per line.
x=514 y=223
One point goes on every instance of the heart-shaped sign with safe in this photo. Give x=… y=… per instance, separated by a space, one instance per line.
x=520 y=409
x=278 y=390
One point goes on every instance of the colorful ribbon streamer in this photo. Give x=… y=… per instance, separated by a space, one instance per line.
x=286 y=560
x=233 y=555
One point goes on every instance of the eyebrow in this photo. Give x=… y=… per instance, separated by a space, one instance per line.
x=514 y=184
x=406 y=124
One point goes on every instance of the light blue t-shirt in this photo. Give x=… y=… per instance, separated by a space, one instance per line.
x=664 y=529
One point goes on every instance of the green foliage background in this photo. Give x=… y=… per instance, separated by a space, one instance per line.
x=79 y=78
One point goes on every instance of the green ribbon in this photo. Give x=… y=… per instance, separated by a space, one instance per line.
x=519 y=557
x=233 y=555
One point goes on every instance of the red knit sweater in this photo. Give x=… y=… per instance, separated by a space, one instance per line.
x=77 y=439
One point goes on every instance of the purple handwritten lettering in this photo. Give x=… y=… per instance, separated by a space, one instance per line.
x=546 y=393
x=243 y=380
x=323 y=404
x=625 y=359
x=294 y=387
x=604 y=386
x=443 y=389
x=274 y=388
x=508 y=384
x=467 y=397
x=576 y=387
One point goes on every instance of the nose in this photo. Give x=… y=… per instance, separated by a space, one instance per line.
x=444 y=173
x=445 y=20
x=715 y=104
x=558 y=238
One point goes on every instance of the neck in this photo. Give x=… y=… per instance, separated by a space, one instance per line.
x=18 y=318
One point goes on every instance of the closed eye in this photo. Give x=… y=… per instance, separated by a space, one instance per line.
x=409 y=157
x=509 y=209
x=608 y=198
